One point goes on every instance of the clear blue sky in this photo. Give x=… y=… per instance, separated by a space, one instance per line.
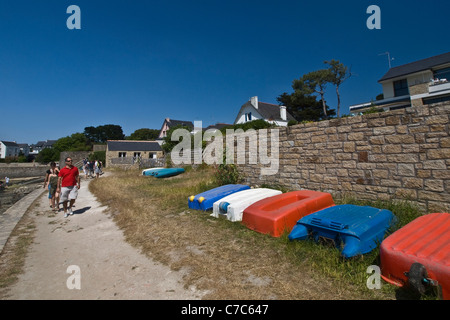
x=134 y=63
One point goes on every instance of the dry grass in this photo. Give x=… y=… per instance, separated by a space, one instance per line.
x=12 y=258
x=226 y=259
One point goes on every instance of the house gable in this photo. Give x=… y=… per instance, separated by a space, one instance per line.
x=416 y=67
x=246 y=110
x=169 y=123
x=9 y=149
x=266 y=111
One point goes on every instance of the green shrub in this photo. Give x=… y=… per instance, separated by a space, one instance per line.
x=227 y=174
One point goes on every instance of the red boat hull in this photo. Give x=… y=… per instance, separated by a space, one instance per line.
x=279 y=214
x=426 y=241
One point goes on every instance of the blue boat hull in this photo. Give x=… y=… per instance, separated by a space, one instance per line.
x=169 y=172
x=354 y=229
x=151 y=171
x=205 y=201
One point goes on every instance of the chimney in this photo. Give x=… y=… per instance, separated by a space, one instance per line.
x=283 y=113
x=254 y=101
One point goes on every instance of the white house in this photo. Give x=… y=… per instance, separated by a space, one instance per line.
x=24 y=148
x=41 y=145
x=255 y=110
x=9 y=149
x=417 y=83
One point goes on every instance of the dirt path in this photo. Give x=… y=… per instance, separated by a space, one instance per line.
x=90 y=241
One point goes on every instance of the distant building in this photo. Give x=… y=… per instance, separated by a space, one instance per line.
x=170 y=123
x=49 y=144
x=131 y=151
x=255 y=110
x=41 y=145
x=37 y=147
x=9 y=149
x=418 y=83
x=24 y=148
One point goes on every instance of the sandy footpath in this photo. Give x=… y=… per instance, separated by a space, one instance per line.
x=89 y=241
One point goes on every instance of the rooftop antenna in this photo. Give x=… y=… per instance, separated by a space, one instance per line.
x=389 y=57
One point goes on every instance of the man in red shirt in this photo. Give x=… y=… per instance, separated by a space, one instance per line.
x=68 y=185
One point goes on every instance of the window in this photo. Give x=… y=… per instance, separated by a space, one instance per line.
x=137 y=154
x=401 y=88
x=122 y=154
x=442 y=74
x=436 y=99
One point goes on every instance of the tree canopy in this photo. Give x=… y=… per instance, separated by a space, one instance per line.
x=103 y=133
x=82 y=141
x=74 y=142
x=144 y=134
x=48 y=155
x=303 y=107
x=315 y=84
x=338 y=73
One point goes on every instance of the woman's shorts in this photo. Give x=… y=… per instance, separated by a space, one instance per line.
x=69 y=193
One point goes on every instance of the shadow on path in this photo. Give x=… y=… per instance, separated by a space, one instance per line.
x=81 y=211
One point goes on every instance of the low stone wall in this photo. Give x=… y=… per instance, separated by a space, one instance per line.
x=22 y=170
x=402 y=154
x=76 y=156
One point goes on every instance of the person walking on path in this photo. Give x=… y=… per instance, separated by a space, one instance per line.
x=91 y=168
x=85 y=170
x=97 y=169
x=68 y=185
x=52 y=183
x=47 y=184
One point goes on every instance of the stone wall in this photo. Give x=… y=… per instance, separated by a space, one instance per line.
x=76 y=156
x=112 y=158
x=417 y=90
x=402 y=154
x=22 y=170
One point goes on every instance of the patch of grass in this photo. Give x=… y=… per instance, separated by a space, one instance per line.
x=12 y=258
x=173 y=193
x=228 y=259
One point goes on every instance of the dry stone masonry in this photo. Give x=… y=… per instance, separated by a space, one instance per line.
x=402 y=154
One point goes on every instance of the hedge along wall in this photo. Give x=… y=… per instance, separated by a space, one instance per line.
x=402 y=154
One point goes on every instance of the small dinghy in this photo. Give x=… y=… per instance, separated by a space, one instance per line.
x=148 y=172
x=357 y=229
x=167 y=172
x=418 y=255
x=205 y=200
x=162 y=172
x=233 y=205
x=280 y=213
